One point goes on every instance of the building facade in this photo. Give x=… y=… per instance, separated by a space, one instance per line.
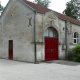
x=30 y=32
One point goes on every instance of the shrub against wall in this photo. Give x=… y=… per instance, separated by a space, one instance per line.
x=76 y=52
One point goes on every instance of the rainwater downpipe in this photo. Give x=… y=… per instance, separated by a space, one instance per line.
x=35 y=36
x=66 y=41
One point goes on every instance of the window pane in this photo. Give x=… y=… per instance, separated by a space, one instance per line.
x=54 y=34
x=74 y=35
x=77 y=41
x=50 y=32
x=10 y=45
x=46 y=33
x=74 y=40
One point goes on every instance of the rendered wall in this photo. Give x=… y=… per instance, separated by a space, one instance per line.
x=15 y=24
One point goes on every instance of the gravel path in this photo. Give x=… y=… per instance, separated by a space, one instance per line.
x=55 y=70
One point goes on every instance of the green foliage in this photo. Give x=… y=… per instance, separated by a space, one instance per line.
x=72 y=9
x=74 y=54
x=76 y=51
x=43 y=2
x=1 y=7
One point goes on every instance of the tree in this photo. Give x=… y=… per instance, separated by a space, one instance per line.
x=1 y=7
x=73 y=9
x=43 y=2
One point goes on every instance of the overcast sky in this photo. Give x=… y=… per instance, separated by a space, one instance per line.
x=57 y=5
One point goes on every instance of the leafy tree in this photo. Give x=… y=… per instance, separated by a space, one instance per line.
x=1 y=7
x=43 y=2
x=73 y=9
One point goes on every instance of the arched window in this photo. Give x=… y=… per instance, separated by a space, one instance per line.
x=75 y=38
x=50 y=32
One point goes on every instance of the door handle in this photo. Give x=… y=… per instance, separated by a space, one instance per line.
x=51 y=49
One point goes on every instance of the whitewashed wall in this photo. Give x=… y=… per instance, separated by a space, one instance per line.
x=15 y=27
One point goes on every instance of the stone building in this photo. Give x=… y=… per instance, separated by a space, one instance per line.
x=30 y=32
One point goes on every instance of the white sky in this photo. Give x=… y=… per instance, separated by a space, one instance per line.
x=56 y=5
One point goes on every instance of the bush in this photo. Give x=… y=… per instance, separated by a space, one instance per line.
x=76 y=52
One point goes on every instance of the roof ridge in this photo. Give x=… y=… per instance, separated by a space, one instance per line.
x=42 y=9
x=66 y=16
x=35 y=6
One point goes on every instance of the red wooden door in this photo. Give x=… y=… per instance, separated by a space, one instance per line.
x=51 y=48
x=11 y=49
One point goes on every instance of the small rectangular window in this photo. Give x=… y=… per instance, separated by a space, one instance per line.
x=10 y=45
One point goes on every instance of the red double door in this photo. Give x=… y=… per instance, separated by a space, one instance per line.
x=51 y=48
x=10 y=53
